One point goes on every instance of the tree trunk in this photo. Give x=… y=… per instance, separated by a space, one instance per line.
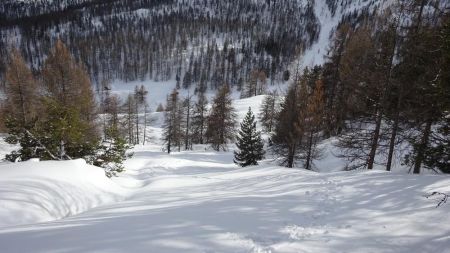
x=394 y=131
x=309 y=153
x=186 y=140
x=341 y=115
x=168 y=145
x=22 y=105
x=290 y=161
x=392 y=142
x=61 y=150
x=137 y=122
x=419 y=17
x=422 y=146
x=202 y=126
x=374 y=144
x=145 y=124
x=329 y=113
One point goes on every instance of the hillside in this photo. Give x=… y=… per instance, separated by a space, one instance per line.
x=178 y=37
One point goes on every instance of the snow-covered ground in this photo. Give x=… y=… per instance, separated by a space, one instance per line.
x=199 y=201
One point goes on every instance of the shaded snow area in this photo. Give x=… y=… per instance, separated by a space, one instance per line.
x=199 y=201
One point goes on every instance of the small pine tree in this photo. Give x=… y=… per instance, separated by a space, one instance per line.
x=160 y=108
x=112 y=151
x=249 y=142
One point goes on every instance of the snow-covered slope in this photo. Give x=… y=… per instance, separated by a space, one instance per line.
x=200 y=202
x=329 y=18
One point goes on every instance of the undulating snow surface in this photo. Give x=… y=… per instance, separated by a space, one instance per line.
x=32 y=191
x=199 y=201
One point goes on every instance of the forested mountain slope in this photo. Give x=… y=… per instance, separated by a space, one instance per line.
x=201 y=42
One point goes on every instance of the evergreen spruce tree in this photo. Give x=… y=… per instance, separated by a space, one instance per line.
x=160 y=108
x=249 y=143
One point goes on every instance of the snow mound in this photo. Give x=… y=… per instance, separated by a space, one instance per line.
x=32 y=191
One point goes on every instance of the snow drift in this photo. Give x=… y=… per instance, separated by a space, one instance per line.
x=32 y=192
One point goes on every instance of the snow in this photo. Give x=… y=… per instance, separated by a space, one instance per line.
x=5 y=148
x=199 y=201
x=33 y=191
x=158 y=91
x=315 y=55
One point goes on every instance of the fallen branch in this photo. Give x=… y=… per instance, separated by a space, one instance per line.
x=41 y=145
x=443 y=200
